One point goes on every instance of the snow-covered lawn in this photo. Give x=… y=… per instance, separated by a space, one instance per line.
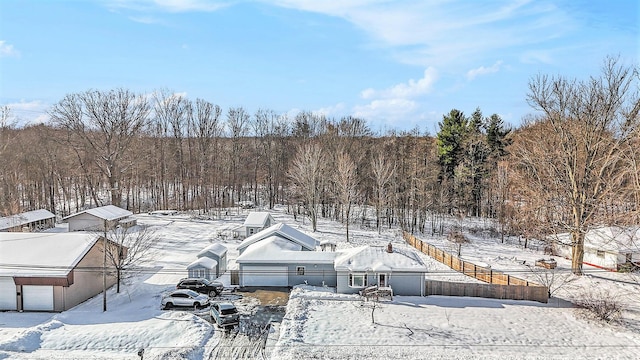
x=322 y=324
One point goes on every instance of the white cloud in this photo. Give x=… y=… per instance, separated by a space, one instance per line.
x=336 y=110
x=473 y=73
x=173 y=6
x=411 y=88
x=7 y=50
x=145 y=19
x=28 y=112
x=446 y=32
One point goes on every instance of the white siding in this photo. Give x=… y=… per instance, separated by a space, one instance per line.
x=7 y=293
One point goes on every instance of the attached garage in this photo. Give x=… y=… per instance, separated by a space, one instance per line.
x=264 y=276
x=37 y=297
x=8 y=293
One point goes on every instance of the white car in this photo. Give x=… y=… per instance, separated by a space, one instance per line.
x=186 y=298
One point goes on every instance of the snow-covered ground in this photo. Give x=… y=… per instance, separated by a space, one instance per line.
x=322 y=324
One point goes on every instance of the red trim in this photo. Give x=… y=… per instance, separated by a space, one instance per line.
x=600 y=267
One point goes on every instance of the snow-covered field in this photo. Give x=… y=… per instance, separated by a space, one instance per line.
x=322 y=324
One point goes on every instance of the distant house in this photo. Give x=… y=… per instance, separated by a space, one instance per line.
x=281 y=256
x=608 y=248
x=51 y=271
x=28 y=221
x=255 y=222
x=210 y=264
x=95 y=219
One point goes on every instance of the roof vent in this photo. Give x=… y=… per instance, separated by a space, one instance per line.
x=389 y=248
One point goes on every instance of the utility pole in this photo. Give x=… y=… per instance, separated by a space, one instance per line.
x=104 y=268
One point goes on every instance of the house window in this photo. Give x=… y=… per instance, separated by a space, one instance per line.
x=600 y=253
x=250 y=231
x=358 y=280
x=300 y=270
x=198 y=273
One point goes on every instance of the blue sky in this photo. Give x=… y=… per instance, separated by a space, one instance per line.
x=397 y=64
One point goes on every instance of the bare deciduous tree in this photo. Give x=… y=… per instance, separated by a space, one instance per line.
x=103 y=125
x=578 y=160
x=383 y=171
x=131 y=249
x=346 y=182
x=306 y=174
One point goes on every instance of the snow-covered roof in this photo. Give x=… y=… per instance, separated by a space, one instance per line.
x=216 y=249
x=376 y=258
x=107 y=212
x=257 y=219
x=42 y=254
x=25 y=218
x=284 y=231
x=612 y=238
x=275 y=249
x=204 y=262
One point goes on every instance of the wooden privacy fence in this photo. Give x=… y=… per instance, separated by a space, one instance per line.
x=499 y=285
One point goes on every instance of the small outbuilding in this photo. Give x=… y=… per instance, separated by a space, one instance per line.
x=254 y=223
x=29 y=221
x=95 y=219
x=50 y=271
x=211 y=262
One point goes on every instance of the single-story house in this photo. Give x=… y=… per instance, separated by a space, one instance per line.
x=254 y=223
x=211 y=262
x=50 y=271
x=271 y=259
x=384 y=266
x=306 y=242
x=28 y=221
x=607 y=247
x=96 y=218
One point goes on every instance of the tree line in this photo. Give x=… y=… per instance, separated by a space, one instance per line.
x=572 y=167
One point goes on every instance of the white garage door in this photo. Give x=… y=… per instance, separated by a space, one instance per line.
x=264 y=276
x=37 y=297
x=8 y=293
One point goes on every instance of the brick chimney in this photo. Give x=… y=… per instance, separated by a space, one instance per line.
x=389 y=248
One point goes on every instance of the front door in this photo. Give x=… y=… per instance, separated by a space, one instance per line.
x=382 y=280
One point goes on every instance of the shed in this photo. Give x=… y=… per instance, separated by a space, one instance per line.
x=28 y=221
x=96 y=218
x=50 y=271
x=218 y=253
x=203 y=267
x=255 y=222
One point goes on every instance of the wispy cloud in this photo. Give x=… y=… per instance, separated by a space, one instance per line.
x=7 y=50
x=446 y=32
x=173 y=6
x=473 y=73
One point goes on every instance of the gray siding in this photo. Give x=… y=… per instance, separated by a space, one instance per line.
x=314 y=274
x=402 y=283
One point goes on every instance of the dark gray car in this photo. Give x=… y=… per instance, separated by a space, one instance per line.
x=203 y=286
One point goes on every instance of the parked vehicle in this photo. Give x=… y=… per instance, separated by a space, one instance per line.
x=203 y=286
x=184 y=297
x=224 y=314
